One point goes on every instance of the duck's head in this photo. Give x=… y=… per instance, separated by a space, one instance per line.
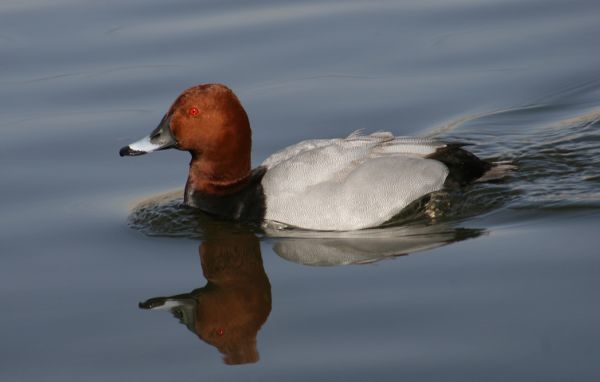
x=206 y=120
x=209 y=122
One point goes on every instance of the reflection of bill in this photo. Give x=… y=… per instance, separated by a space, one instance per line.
x=365 y=246
x=235 y=302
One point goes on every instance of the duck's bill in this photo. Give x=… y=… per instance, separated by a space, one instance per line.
x=160 y=139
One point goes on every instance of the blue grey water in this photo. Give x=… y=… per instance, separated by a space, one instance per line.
x=504 y=286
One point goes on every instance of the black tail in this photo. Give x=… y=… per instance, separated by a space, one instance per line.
x=464 y=166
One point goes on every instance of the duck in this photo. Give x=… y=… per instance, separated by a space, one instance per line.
x=339 y=184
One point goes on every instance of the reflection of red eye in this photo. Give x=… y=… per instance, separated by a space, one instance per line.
x=220 y=331
x=193 y=111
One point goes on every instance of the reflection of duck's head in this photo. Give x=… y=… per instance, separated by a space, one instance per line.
x=236 y=301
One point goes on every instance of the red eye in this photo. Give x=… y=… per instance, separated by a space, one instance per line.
x=193 y=111
x=220 y=331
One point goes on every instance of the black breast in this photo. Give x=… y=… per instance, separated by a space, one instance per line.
x=247 y=204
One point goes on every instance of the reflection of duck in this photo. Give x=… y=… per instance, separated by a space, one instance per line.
x=235 y=302
x=323 y=184
x=365 y=246
x=230 y=309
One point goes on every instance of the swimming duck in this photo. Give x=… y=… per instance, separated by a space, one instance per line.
x=341 y=184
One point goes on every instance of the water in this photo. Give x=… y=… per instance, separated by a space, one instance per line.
x=502 y=285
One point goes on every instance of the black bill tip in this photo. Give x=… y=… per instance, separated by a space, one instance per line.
x=128 y=152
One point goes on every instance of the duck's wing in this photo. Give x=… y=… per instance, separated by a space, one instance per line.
x=385 y=142
x=352 y=183
x=294 y=150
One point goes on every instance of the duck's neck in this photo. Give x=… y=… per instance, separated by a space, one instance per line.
x=214 y=177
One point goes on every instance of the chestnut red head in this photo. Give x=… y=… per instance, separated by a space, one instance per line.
x=205 y=120
x=209 y=122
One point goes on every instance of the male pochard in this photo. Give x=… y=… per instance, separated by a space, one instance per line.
x=323 y=184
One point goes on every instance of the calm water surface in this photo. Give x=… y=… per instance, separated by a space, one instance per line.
x=103 y=277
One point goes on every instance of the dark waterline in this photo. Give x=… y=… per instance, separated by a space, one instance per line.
x=502 y=286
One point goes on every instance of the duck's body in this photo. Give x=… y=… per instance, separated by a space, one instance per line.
x=326 y=184
x=352 y=183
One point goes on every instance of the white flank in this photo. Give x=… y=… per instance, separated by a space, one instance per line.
x=349 y=184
